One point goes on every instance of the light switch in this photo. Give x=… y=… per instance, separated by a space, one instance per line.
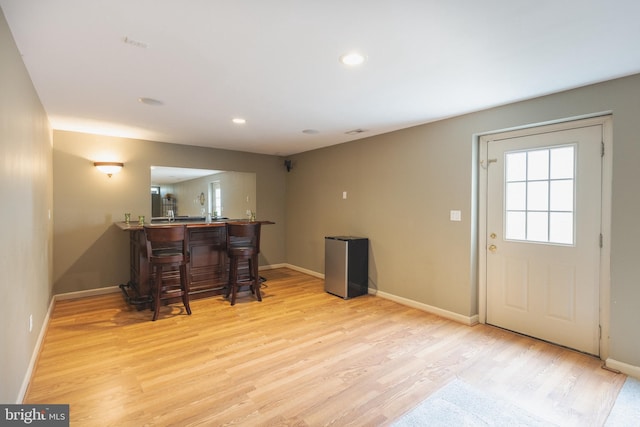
x=344 y=194
x=455 y=216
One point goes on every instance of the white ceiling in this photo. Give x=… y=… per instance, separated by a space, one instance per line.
x=163 y=175
x=275 y=63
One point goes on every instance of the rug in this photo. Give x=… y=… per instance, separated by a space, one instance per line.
x=626 y=410
x=460 y=404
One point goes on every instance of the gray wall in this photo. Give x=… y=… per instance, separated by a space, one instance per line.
x=26 y=194
x=402 y=185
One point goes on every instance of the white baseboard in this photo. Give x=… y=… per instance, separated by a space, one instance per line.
x=35 y=354
x=625 y=368
x=271 y=266
x=305 y=271
x=45 y=325
x=467 y=320
x=301 y=270
x=87 y=293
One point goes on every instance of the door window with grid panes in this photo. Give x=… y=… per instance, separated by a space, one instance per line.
x=539 y=195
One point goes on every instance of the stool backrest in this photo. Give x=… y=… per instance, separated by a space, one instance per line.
x=166 y=241
x=245 y=234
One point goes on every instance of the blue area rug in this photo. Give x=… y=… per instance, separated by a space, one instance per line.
x=460 y=404
x=626 y=410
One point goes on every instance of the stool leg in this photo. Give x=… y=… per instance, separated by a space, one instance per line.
x=253 y=270
x=227 y=290
x=184 y=285
x=233 y=279
x=157 y=291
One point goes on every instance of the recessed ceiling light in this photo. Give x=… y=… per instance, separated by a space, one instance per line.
x=150 y=101
x=352 y=58
x=239 y=121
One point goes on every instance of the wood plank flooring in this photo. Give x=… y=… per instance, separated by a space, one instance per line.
x=301 y=357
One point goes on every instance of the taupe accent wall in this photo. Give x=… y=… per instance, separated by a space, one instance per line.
x=90 y=251
x=26 y=230
x=401 y=187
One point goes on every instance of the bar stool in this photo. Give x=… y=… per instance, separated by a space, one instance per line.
x=167 y=247
x=243 y=244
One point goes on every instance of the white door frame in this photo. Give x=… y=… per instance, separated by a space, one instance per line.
x=604 y=119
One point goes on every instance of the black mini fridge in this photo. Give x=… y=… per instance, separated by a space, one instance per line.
x=346 y=266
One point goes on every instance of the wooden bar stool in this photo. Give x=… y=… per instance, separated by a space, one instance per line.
x=243 y=244
x=167 y=247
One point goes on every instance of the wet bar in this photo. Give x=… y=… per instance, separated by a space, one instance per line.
x=207 y=270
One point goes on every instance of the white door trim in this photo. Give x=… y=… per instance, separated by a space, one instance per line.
x=605 y=254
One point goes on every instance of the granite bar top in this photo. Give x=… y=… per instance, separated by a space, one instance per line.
x=134 y=225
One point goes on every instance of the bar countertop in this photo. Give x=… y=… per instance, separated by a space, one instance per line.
x=134 y=225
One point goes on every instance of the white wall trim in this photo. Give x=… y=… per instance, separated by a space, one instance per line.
x=625 y=368
x=35 y=354
x=561 y=122
x=467 y=320
x=45 y=325
x=271 y=266
x=87 y=293
x=300 y=269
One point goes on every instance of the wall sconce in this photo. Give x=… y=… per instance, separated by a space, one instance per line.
x=108 y=167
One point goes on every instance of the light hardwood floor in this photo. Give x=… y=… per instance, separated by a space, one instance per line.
x=301 y=357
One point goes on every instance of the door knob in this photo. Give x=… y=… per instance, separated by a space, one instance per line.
x=493 y=248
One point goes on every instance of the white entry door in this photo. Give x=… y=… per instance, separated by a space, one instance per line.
x=543 y=222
